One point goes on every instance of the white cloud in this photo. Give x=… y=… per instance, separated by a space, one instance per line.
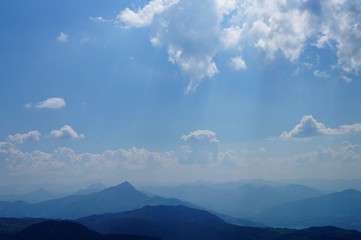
x=52 y=103
x=238 y=64
x=280 y=31
x=340 y=24
x=231 y=36
x=64 y=165
x=346 y=79
x=320 y=74
x=144 y=16
x=66 y=132
x=189 y=30
x=309 y=127
x=63 y=37
x=201 y=147
x=23 y=137
x=99 y=19
x=193 y=32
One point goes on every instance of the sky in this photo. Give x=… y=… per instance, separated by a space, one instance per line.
x=174 y=91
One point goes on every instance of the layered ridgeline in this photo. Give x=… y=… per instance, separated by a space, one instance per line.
x=293 y=206
x=160 y=222
x=119 y=198
x=342 y=209
x=237 y=199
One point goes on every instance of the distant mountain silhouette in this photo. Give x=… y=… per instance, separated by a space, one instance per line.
x=92 y=188
x=236 y=200
x=32 y=197
x=119 y=198
x=342 y=209
x=184 y=223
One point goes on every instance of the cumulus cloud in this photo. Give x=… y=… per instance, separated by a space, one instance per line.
x=64 y=165
x=309 y=127
x=193 y=32
x=201 y=147
x=66 y=132
x=189 y=31
x=238 y=64
x=320 y=74
x=144 y=16
x=23 y=137
x=51 y=103
x=63 y=37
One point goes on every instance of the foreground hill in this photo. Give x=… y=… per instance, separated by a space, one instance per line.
x=342 y=209
x=184 y=223
x=159 y=222
x=171 y=222
x=119 y=198
x=65 y=230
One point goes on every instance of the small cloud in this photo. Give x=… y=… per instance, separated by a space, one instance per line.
x=346 y=79
x=66 y=132
x=238 y=64
x=23 y=137
x=63 y=37
x=201 y=147
x=308 y=127
x=52 y=103
x=155 y=41
x=99 y=19
x=320 y=74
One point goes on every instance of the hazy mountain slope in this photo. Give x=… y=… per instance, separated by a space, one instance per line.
x=244 y=200
x=342 y=209
x=172 y=222
x=183 y=223
x=32 y=197
x=114 y=199
x=92 y=188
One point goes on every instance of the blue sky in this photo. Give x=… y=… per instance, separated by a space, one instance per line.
x=170 y=91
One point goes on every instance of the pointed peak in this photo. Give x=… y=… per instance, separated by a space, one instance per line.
x=124 y=186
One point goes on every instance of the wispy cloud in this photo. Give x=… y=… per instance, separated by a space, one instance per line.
x=66 y=132
x=63 y=37
x=308 y=127
x=52 y=103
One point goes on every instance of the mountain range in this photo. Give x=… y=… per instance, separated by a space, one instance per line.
x=242 y=200
x=159 y=222
x=342 y=209
x=114 y=199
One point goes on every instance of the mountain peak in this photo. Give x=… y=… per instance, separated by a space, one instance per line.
x=123 y=189
x=125 y=185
